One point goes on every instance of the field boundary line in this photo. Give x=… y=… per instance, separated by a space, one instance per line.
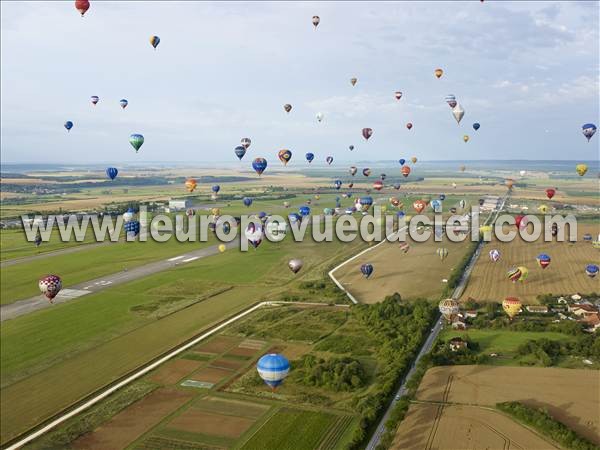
x=143 y=371
x=335 y=280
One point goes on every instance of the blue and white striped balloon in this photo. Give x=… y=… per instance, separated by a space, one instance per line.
x=273 y=368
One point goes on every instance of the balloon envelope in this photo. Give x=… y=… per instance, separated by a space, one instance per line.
x=154 y=41
x=588 y=130
x=458 y=112
x=50 y=286
x=367 y=133
x=112 y=172
x=310 y=157
x=366 y=270
x=123 y=102
x=136 y=141
x=511 y=306
x=273 y=369
x=259 y=165
x=295 y=265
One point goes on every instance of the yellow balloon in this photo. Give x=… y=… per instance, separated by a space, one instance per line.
x=466 y=138
x=413 y=159
x=222 y=248
x=581 y=169
x=511 y=306
x=438 y=73
x=215 y=211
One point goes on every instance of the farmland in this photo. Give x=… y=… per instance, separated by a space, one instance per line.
x=462 y=396
x=565 y=274
x=136 y=322
x=418 y=273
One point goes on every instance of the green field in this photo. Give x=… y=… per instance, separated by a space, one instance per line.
x=503 y=342
x=291 y=429
x=50 y=357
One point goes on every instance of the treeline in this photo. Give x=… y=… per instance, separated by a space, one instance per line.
x=547 y=425
x=399 y=329
x=548 y=352
x=336 y=374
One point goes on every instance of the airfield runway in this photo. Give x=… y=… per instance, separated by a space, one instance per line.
x=29 y=305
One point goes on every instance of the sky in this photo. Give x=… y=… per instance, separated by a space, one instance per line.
x=528 y=72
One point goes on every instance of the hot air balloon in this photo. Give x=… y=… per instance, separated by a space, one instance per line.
x=367 y=133
x=458 y=112
x=442 y=252
x=337 y=184
x=364 y=203
x=366 y=172
x=521 y=221
x=466 y=138
x=310 y=157
x=543 y=260
x=246 y=142
x=401 y=161
x=94 y=99
x=397 y=186
x=112 y=172
x=449 y=309
x=378 y=185
x=38 y=239
x=350 y=186
x=240 y=151
x=405 y=171
x=494 y=255
x=329 y=160
x=190 y=184
x=404 y=247
x=515 y=274
x=295 y=265
x=543 y=209
x=247 y=201
x=366 y=270
x=254 y=234
x=394 y=201
x=588 y=130
x=304 y=211
x=128 y=215
x=419 y=205
x=286 y=204
x=132 y=228
x=438 y=73
x=591 y=270
x=454 y=185
x=319 y=116
x=351 y=147
x=383 y=176
x=222 y=248
x=398 y=95
x=82 y=6
x=463 y=168
x=550 y=192
x=581 y=169
x=476 y=126
x=436 y=205
x=316 y=20
x=287 y=107
x=509 y=183
x=353 y=81
x=154 y=41
x=189 y=212
x=353 y=170
x=136 y=141
x=123 y=102
x=414 y=159
x=273 y=368
x=216 y=188
x=259 y=165
x=452 y=210
x=409 y=125
x=68 y=125
x=284 y=156
x=522 y=172
x=462 y=204
x=451 y=100
x=511 y=306
x=50 y=286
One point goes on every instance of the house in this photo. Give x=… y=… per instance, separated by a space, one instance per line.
x=457 y=343
x=592 y=322
x=537 y=309
x=582 y=310
x=459 y=325
x=179 y=204
x=471 y=314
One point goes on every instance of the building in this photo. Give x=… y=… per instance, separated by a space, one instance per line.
x=457 y=343
x=592 y=322
x=541 y=309
x=179 y=204
x=582 y=310
x=459 y=325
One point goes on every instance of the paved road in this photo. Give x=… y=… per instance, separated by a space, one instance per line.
x=74 y=291
x=435 y=331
